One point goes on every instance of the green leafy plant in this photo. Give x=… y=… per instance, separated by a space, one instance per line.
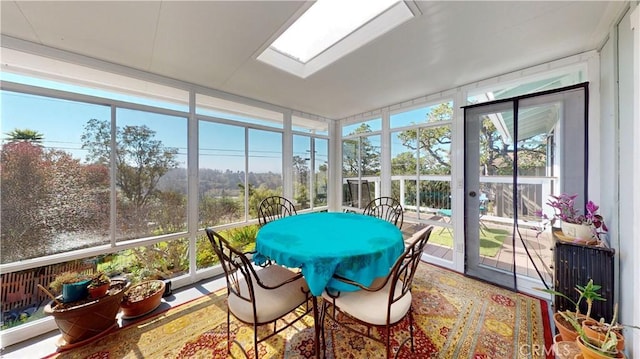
x=607 y=346
x=98 y=279
x=590 y=292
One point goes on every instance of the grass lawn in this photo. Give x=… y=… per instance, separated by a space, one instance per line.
x=490 y=239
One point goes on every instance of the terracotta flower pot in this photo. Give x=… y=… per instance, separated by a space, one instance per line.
x=140 y=300
x=590 y=352
x=566 y=330
x=88 y=319
x=588 y=328
x=99 y=291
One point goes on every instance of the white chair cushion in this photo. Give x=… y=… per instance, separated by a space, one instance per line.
x=371 y=307
x=271 y=304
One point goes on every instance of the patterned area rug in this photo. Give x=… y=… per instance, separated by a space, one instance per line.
x=456 y=317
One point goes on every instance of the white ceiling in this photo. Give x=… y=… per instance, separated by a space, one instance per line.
x=215 y=44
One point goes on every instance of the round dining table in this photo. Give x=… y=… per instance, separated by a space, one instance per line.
x=355 y=246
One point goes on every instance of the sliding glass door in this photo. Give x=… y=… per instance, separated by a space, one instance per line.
x=519 y=151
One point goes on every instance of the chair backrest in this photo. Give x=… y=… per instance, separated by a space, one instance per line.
x=405 y=267
x=274 y=207
x=365 y=193
x=386 y=208
x=237 y=267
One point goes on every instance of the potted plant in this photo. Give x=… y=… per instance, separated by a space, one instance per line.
x=583 y=227
x=599 y=330
x=99 y=285
x=592 y=348
x=72 y=285
x=589 y=293
x=142 y=298
x=87 y=318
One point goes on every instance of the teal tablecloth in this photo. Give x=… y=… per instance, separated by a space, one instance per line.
x=354 y=246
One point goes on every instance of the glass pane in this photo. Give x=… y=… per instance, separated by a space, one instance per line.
x=54 y=197
x=265 y=167
x=350 y=166
x=435 y=150
x=151 y=162
x=362 y=127
x=301 y=170
x=304 y=124
x=222 y=175
x=428 y=114
x=320 y=175
x=243 y=238
x=548 y=83
x=370 y=148
x=59 y=75
x=217 y=107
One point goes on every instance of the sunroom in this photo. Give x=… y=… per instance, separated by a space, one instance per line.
x=130 y=127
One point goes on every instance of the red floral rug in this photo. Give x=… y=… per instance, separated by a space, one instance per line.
x=455 y=317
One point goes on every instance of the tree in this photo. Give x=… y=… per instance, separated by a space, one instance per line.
x=25 y=135
x=47 y=194
x=301 y=173
x=24 y=191
x=369 y=161
x=141 y=161
x=496 y=155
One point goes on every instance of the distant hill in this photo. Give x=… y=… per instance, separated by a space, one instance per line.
x=217 y=182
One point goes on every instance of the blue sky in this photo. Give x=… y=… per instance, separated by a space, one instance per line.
x=221 y=146
x=62 y=124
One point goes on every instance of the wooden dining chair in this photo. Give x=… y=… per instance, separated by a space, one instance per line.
x=386 y=208
x=383 y=304
x=259 y=297
x=274 y=207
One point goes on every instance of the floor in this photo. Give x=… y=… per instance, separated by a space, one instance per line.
x=539 y=247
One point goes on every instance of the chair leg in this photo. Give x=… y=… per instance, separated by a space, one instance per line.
x=228 y=332
x=255 y=339
x=411 y=330
x=389 y=342
x=323 y=312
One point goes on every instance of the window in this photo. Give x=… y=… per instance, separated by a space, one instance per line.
x=310 y=188
x=151 y=171
x=361 y=163
x=312 y=126
x=222 y=173
x=53 y=199
x=59 y=75
x=231 y=110
x=421 y=162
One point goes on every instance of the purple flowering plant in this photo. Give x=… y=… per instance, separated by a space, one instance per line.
x=564 y=210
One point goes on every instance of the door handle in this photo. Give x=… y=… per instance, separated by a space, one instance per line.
x=472 y=194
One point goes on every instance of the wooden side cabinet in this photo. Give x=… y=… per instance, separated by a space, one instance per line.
x=575 y=264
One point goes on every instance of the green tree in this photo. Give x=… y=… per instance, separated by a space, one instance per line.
x=45 y=194
x=141 y=160
x=24 y=191
x=369 y=161
x=25 y=135
x=496 y=155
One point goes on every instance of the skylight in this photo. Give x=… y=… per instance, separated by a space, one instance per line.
x=324 y=24
x=329 y=30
